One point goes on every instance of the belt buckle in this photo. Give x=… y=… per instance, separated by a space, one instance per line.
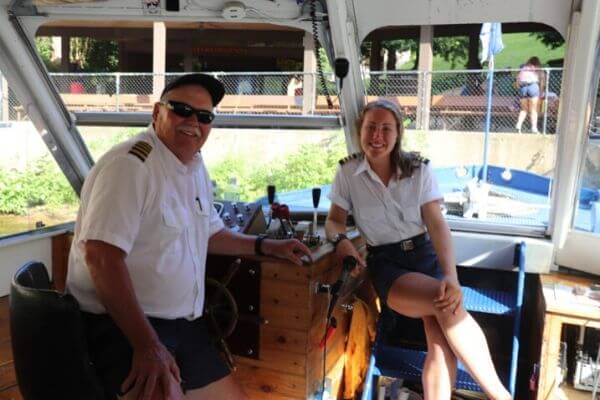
x=408 y=245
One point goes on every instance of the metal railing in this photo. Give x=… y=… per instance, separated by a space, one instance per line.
x=438 y=100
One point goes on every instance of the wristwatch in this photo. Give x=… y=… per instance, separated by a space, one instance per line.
x=338 y=238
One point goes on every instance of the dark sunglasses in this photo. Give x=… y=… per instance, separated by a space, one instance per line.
x=185 y=111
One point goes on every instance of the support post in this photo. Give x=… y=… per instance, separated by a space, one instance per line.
x=424 y=77
x=546 y=91
x=188 y=58
x=65 y=53
x=346 y=43
x=4 y=115
x=117 y=89
x=159 y=53
x=309 y=92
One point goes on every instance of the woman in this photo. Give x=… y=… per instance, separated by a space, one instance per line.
x=530 y=83
x=394 y=196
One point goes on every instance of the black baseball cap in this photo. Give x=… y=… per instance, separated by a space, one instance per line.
x=214 y=87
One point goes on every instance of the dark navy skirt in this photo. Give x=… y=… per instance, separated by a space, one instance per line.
x=387 y=262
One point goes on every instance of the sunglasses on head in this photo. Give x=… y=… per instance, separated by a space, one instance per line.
x=185 y=111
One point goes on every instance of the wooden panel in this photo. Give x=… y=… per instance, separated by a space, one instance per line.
x=276 y=362
x=284 y=361
x=285 y=272
x=4 y=320
x=282 y=365
x=263 y=381
x=6 y=351
x=323 y=265
x=282 y=294
x=11 y=393
x=296 y=318
x=556 y=301
x=61 y=245
x=274 y=338
x=335 y=354
x=8 y=377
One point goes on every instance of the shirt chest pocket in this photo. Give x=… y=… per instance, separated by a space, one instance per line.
x=175 y=218
x=374 y=219
x=172 y=238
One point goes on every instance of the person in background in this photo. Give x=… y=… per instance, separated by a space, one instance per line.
x=530 y=83
x=295 y=89
x=137 y=264
x=395 y=201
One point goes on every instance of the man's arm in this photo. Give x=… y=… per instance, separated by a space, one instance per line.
x=152 y=363
x=233 y=243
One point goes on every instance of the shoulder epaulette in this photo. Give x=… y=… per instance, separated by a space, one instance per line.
x=418 y=160
x=141 y=150
x=350 y=157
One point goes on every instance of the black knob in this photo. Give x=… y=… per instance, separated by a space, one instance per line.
x=271 y=193
x=316 y=195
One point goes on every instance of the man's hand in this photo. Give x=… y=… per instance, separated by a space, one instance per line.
x=153 y=368
x=346 y=248
x=449 y=295
x=290 y=249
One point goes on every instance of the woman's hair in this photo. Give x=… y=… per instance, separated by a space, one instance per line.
x=534 y=61
x=407 y=161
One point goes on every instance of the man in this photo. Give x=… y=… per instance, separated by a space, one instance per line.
x=137 y=264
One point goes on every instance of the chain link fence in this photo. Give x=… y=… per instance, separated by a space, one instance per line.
x=438 y=100
x=457 y=100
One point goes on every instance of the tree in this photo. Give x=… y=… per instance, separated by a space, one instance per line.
x=95 y=55
x=551 y=39
x=453 y=49
x=44 y=48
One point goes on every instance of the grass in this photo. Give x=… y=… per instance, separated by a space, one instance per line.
x=518 y=47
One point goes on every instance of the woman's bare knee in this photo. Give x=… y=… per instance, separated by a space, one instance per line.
x=449 y=318
x=413 y=294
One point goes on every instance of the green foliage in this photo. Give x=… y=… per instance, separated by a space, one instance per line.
x=453 y=50
x=44 y=48
x=324 y=61
x=519 y=47
x=311 y=165
x=553 y=40
x=101 y=144
x=95 y=55
x=43 y=184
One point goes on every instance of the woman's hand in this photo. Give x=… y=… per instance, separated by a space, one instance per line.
x=344 y=249
x=449 y=295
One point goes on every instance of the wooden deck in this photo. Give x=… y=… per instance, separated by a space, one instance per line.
x=8 y=380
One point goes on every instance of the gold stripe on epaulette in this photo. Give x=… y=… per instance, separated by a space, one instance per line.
x=141 y=150
x=418 y=159
x=350 y=157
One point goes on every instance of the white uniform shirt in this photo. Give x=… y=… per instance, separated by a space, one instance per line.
x=160 y=213
x=384 y=214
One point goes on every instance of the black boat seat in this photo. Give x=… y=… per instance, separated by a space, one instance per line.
x=48 y=342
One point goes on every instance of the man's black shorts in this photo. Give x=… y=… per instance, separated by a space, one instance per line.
x=198 y=359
